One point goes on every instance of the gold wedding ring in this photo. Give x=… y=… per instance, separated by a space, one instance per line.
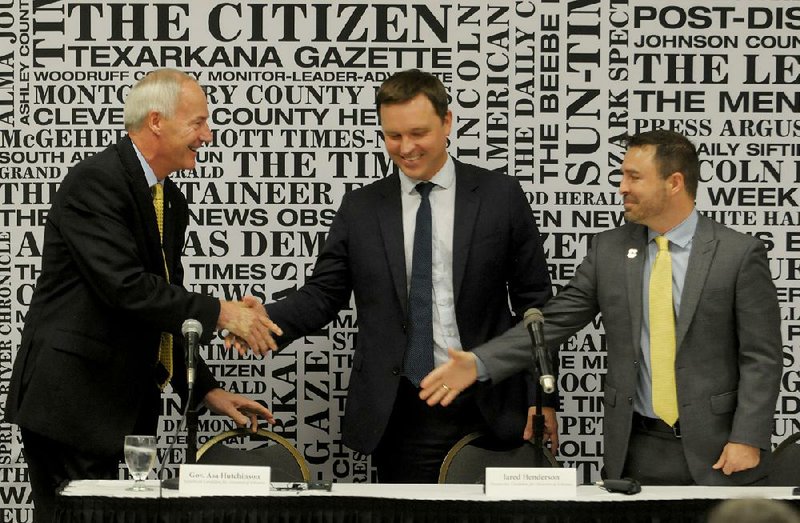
x=445 y=387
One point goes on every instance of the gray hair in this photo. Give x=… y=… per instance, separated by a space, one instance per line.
x=158 y=91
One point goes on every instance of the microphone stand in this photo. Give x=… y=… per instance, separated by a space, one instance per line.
x=191 y=432
x=538 y=419
x=191 y=329
x=191 y=415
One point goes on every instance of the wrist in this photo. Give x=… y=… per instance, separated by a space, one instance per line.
x=224 y=314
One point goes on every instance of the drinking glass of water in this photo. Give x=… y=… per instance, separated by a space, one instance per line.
x=140 y=456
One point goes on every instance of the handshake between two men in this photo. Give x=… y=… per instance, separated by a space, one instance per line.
x=248 y=326
x=254 y=330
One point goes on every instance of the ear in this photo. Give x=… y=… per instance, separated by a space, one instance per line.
x=677 y=182
x=154 y=121
x=447 y=121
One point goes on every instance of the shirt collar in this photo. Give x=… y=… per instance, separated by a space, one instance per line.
x=149 y=175
x=682 y=233
x=445 y=178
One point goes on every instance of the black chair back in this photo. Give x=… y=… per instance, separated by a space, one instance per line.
x=786 y=463
x=263 y=448
x=467 y=460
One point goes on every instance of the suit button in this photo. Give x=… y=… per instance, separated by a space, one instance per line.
x=630 y=400
x=404 y=328
x=395 y=371
x=635 y=363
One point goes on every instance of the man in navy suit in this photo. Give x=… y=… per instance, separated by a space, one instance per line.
x=90 y=363
x=486 y=253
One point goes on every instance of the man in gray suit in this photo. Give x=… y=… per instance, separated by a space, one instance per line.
x=726 y=356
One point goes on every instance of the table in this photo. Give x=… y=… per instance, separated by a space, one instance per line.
x=107 y=501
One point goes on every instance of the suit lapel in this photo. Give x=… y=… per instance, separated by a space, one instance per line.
x=468 y=203
x=170 y=244
x=704 y=244
x=390 y=218
x=636 y=255
x=143 y=199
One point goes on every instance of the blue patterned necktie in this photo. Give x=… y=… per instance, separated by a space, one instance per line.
x=419 y=353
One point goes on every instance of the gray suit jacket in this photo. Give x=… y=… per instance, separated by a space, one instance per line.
x=728 y=361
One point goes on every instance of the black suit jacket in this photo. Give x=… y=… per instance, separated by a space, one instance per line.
x=84 y=374
x=497 y=258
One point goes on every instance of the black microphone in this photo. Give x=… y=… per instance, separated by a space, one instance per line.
x=192 y=330
x=534 y=323
x=625 y=485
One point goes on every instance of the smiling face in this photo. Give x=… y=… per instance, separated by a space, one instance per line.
x=415 y=136
x=646 y=194
x=182 y=134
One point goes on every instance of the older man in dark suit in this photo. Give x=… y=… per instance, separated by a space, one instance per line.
x=433 y=257
x=103 y=331
x=694 y=344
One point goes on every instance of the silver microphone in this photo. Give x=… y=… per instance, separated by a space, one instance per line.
x=534 y=323
x=192 y=330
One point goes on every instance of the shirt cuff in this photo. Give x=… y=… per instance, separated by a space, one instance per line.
x=483 y=374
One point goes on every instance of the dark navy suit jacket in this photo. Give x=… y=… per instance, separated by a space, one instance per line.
x=497 y=259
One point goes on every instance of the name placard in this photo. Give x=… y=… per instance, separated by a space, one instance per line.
x=223 y=480
x=531 y=483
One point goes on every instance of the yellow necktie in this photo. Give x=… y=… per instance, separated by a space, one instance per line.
x=165 y=349
x=662 y=335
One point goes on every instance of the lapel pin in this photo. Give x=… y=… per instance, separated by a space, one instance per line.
x=632 y=253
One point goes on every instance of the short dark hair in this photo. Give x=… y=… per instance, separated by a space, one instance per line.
x=674 y=153
x=405 y=85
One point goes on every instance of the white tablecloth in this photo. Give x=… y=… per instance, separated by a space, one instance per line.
x=440 y=492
